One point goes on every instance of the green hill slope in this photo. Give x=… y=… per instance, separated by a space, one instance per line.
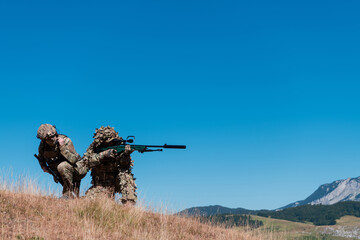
x=316 y=214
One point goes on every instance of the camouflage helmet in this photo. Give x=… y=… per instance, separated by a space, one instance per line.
x=45 y=131
x=105 y=134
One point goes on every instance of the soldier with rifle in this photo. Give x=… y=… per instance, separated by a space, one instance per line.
x=109 y=159
x=57 y=156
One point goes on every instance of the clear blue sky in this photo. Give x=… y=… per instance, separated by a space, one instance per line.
x=264 y=94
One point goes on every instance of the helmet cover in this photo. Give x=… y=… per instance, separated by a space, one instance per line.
x=45 y=131
x=105 y=135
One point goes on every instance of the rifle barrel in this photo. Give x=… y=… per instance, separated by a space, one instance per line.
x=168 y=146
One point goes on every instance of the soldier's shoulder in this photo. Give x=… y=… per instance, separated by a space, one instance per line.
x=63 y=136
x=66 y=138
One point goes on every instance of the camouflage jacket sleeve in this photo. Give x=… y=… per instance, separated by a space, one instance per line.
x=67 y=150
x=41 y=155
x=41 y=149
x=92 y=159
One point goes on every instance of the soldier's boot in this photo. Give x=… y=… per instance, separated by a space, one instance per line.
x=68 y=195
x=97 y=191
x=76 y=188
x=128 y=196
x=128 y=202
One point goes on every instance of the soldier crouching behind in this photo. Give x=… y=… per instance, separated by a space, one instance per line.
x=58 y=153
x=110 y=171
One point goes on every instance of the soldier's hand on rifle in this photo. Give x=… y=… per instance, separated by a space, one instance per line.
x=45 y=170
x=128 y=150
x=110 y=153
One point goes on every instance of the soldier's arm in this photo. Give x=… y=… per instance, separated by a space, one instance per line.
x=94 y=159
x=67 y=150
x=124 y=158
x=91 y=159
x=41 y=158
x=41 y=150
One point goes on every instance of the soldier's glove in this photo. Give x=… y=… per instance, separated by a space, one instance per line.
x=128 y=150
x=45 y=170
x=110 y=153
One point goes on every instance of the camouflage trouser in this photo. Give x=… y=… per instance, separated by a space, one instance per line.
x=127 y=186
x=110 y=176
x=71 y=178
x=82 y=168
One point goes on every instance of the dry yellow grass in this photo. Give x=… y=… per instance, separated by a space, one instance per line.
x=28 y=214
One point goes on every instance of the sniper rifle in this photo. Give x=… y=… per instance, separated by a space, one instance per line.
x=120 y=144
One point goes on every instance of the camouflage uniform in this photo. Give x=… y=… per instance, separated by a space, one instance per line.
x=62 y=158
x=111 y=172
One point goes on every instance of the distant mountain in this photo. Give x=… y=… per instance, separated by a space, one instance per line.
x=327 y=194
x=216 y=209
x=331 y=193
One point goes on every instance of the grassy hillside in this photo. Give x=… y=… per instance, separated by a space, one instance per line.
x=349 y=221
x=27 y=212
x=25 y=216
x=347 y=227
